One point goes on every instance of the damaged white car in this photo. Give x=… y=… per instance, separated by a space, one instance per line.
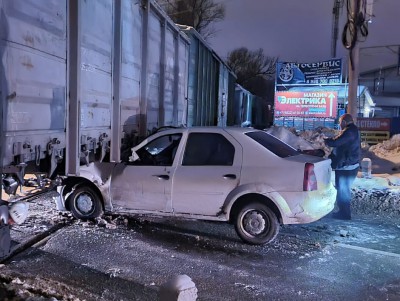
x=239 y=175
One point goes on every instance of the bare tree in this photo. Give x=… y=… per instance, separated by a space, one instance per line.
x=249 y=65
x=199 y=14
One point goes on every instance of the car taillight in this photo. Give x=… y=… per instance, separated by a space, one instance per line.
x=310 y=180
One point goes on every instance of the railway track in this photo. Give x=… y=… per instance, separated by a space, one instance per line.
x=37 y=238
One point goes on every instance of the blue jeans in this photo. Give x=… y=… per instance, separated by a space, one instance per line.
x=343 y=181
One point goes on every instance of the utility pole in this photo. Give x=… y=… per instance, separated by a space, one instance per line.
x=359 y=14
x=337 y=5
x=354 y=56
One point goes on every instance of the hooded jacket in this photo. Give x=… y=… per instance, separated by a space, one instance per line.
x=348 y=147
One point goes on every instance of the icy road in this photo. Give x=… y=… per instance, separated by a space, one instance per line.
x=123 y=258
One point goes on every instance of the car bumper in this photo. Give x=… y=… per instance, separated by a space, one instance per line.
x=310 y=206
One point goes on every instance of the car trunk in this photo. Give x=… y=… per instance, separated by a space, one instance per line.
x=322 y=168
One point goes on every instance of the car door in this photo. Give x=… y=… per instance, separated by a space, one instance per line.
x=209 y=170
x=146 y=183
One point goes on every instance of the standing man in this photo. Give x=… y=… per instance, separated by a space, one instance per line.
x=345 y=161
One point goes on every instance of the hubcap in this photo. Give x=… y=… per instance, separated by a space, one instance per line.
x=254 y=222
x=84 y=203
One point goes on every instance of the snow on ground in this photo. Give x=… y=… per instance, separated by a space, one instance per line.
x=378 y=194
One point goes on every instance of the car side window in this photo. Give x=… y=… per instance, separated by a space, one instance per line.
x=207 y=149
x=160 y=151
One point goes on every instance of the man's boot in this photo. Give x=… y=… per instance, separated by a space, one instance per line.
x=344 y=212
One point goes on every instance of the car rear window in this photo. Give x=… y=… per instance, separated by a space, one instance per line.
x=273 y=144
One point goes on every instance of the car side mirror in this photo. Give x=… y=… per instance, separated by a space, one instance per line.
x=134 y=157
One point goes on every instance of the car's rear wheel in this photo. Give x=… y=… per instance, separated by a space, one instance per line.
x=84 y=203
x=256 y=224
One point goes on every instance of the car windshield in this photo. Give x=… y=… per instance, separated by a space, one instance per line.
x=273 y=144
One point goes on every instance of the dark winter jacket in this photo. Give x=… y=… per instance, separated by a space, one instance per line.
x=347 y=147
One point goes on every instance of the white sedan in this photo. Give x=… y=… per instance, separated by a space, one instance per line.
x=239 y=175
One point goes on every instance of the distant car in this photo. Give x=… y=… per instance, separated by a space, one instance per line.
x=239 y=175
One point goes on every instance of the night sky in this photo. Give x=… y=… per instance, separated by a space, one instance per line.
x=300 y=30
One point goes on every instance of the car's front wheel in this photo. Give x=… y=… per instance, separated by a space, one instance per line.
x=84 y=203
x=256 y=224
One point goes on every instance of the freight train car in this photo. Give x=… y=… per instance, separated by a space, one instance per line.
x=82 y=81
x=211 y=86
x=249 y=110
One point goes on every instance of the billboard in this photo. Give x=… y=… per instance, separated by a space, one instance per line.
x=324 y=72
x=302 y=123
x=320 y=104
x=373 y=124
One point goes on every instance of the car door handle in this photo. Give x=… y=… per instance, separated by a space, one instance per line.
x=229 y=176
x=162 y=177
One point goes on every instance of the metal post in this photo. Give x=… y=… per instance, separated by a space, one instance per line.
x=335 y=25
x=175 y=92
x=74 y=75
x=116 y=76
x=161 y=100
x=143 y=80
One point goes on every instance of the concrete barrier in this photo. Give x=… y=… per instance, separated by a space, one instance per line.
x=178 y=288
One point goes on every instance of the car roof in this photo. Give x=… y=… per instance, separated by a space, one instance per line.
x=229 y=129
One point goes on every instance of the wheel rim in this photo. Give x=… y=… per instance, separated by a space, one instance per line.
x=84 y=203
x=254 y=222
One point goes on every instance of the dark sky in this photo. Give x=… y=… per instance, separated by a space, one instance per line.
x=300 y=30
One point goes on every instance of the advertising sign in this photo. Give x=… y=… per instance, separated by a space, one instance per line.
x=306 y=104
x=302 y=123
x=324 y=72
x=373 y=124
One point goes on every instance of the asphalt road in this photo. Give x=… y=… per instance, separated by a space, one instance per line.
x=130 y=258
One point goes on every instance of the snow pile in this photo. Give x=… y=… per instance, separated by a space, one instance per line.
x=387 y=148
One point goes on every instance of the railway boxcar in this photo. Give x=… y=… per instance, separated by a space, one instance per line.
x=84 y=81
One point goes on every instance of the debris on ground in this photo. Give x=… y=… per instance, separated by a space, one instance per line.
x=376 y=201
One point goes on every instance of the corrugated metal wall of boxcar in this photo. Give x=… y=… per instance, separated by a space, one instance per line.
x=203 y=85
x=131 y=66
x=231 y=99
x=170 y=92
x=154 y=70
x=96 y=86
x=144 y=73
x=128 y=110
x=182 y=83
x=122 y=64
x=193 y=67
x=223 y=93
x=32 y=78
x=211 y=84
x=242 y=107
x=167 y=60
